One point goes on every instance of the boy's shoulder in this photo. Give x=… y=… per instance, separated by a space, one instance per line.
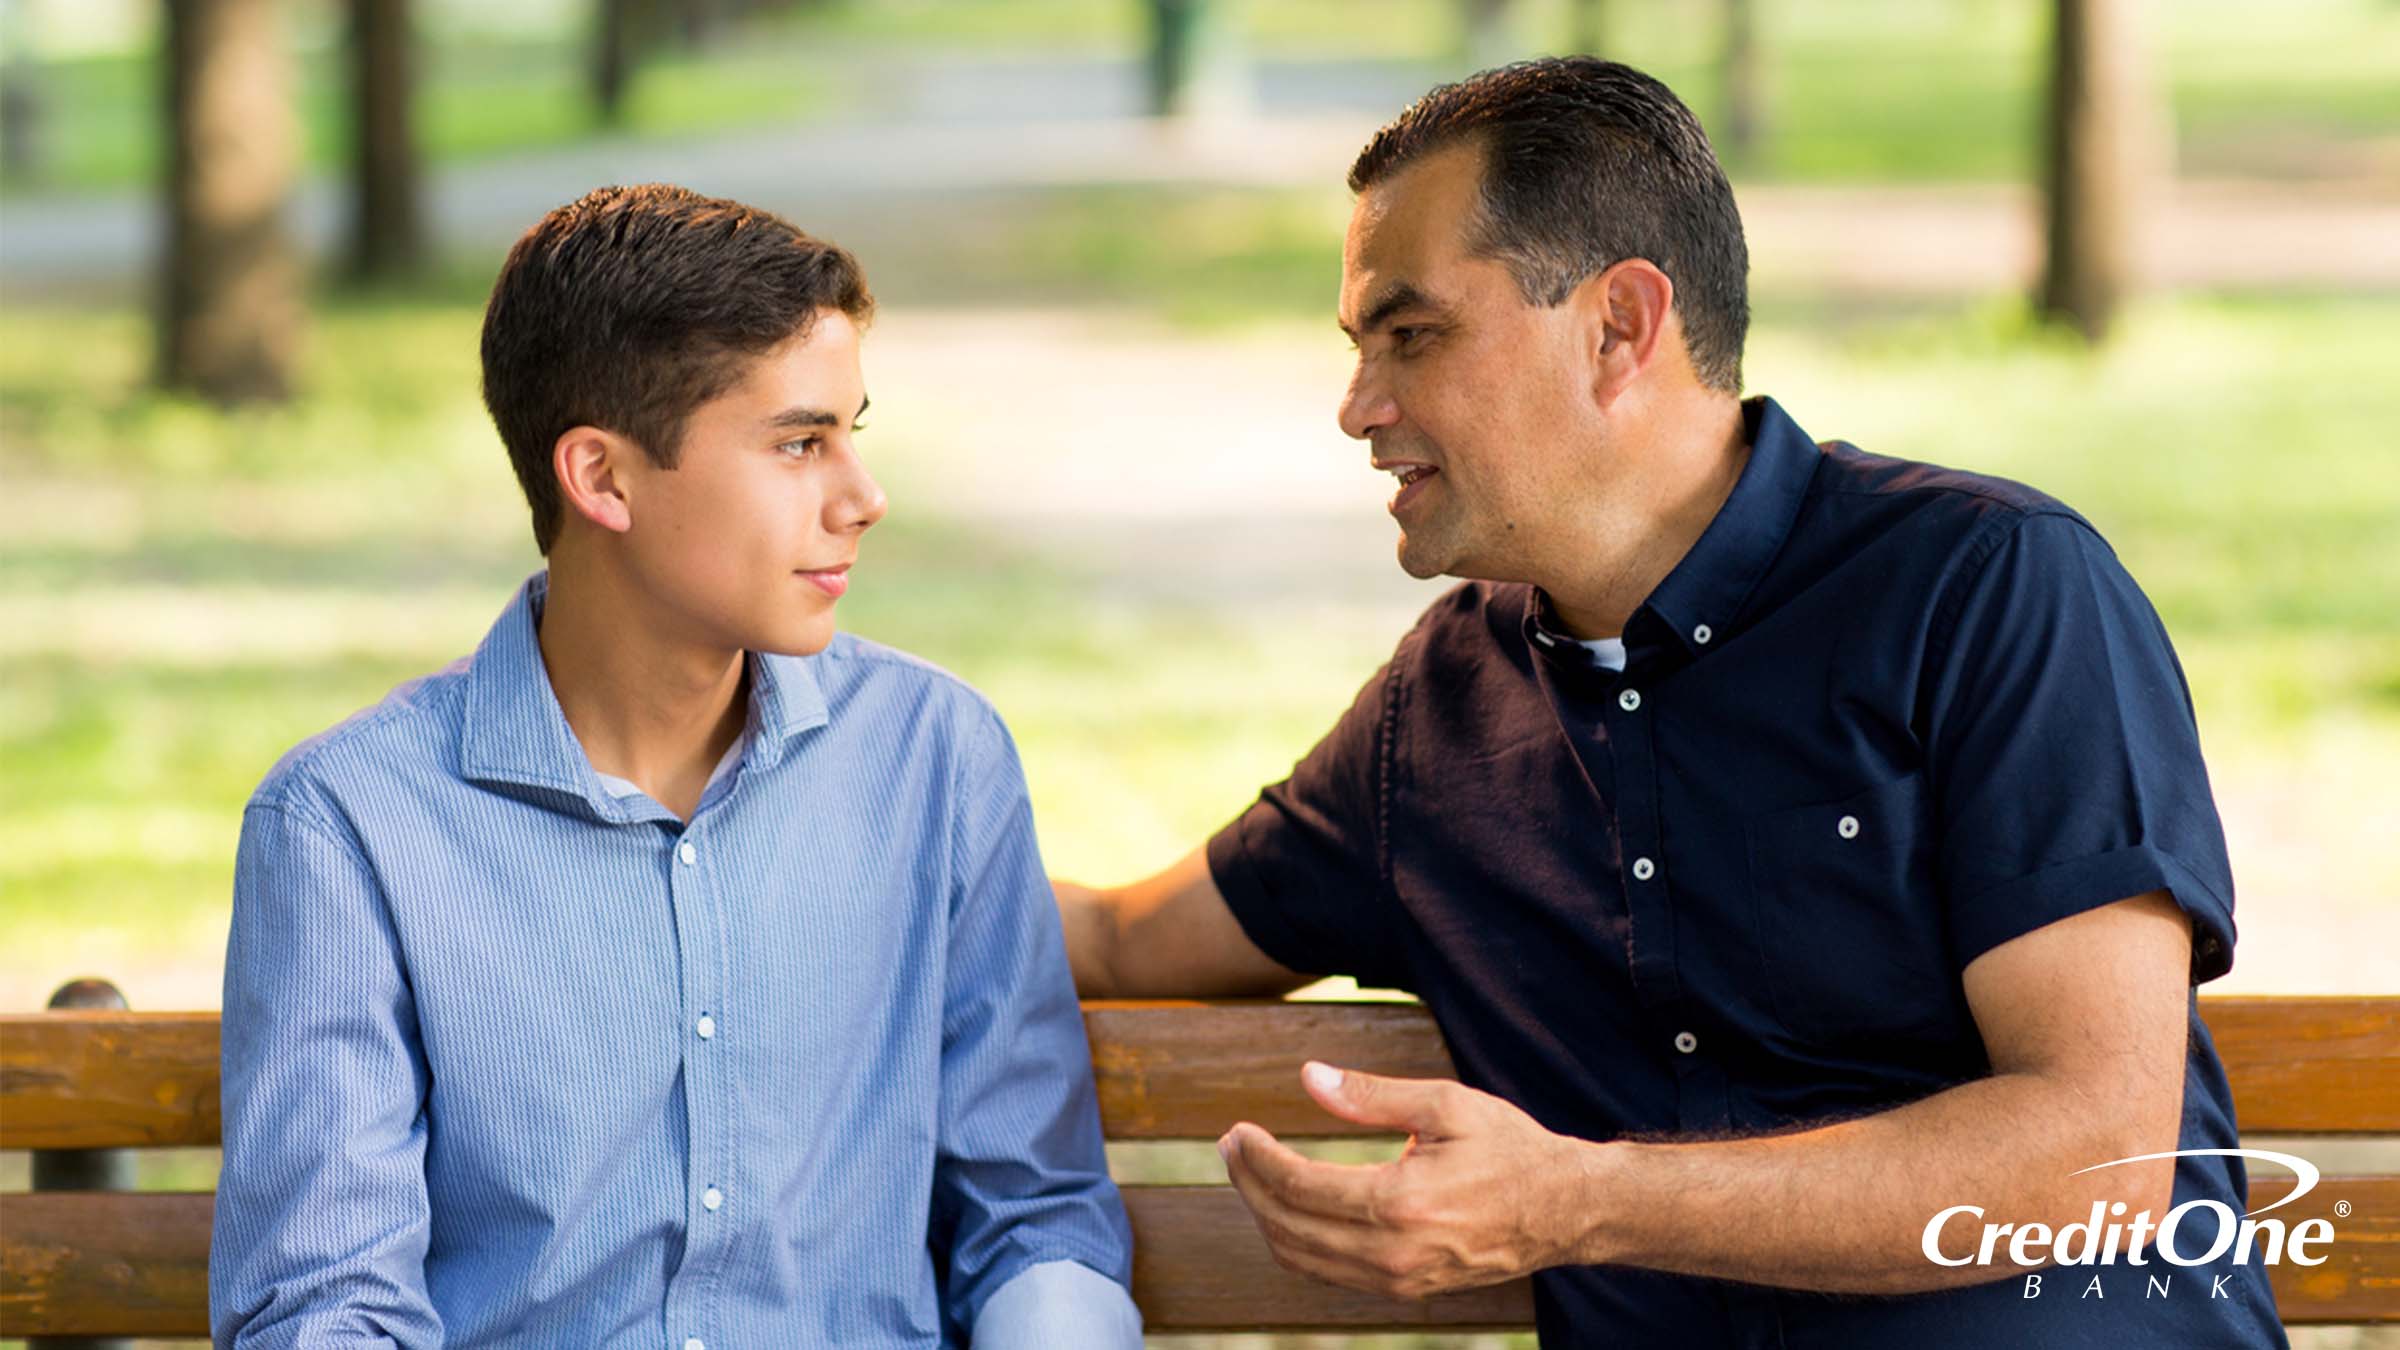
x=409 y=734
x=857 y=671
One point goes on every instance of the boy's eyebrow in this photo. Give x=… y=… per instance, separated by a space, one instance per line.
x=814 y=417
x=1398 y=296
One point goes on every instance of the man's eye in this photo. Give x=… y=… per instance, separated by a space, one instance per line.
x=1407 y=337
x=803 y=448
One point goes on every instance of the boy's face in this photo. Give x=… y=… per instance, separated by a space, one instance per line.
x=747 y=542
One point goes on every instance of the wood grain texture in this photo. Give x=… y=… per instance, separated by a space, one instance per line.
x=97 y=1264
x=2310 y=1065
x=108 y=1079
x=94 y=1264
x=1165 y=1070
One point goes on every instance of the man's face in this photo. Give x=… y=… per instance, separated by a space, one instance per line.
x=747 y=542
x=1472 y=395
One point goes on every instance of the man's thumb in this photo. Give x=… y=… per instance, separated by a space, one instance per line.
x=1414 y=1105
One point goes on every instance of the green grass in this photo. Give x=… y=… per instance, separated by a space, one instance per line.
x=1865 y=90
x=100 y=126
x=185 y=594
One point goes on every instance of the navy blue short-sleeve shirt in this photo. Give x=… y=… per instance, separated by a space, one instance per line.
x=1881 y=719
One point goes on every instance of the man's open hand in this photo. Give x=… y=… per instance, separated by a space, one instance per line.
x=1482 y=1194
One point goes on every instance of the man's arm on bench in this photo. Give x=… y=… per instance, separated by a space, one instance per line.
x=322 y=1218
x=1167 y=936
x=2085 y=1022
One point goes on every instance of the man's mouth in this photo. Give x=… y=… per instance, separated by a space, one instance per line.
x=1412 y=478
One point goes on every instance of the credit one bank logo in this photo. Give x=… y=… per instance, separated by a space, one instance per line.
x=2109 y=1236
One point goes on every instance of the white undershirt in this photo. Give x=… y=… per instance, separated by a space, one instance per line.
x=1609 y=652
x=626 y=787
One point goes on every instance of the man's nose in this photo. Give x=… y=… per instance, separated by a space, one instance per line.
x=1367 y=407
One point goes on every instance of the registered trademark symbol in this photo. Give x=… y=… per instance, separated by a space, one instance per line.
x=2341 y=1209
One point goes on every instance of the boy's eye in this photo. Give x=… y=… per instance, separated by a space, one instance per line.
x=804 y=447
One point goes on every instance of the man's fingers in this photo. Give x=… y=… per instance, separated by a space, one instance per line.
x=1331 y=1190
x=1420 y=1106
x=1335 y=1250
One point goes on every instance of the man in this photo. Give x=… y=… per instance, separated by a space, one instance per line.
x=672 y=970
x=1791 y=843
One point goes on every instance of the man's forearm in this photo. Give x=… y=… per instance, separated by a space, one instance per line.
x=1089 y=919
x=1843 y=1208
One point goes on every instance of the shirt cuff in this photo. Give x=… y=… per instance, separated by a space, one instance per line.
x=1056 y=1305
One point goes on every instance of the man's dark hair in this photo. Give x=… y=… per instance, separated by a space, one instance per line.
x=1587 y=163
x=631 y=307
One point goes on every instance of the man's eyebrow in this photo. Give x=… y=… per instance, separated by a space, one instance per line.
x=1398 y=296
x=814 y=417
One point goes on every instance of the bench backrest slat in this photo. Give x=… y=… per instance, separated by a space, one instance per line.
x=1166 y=1070
x=102 y=1264
x=99 y=1264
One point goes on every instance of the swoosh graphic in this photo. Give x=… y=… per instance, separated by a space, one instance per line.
x=2300 y=1167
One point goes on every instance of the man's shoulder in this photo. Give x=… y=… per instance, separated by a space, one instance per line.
x=1959 y=502
x=410 y=732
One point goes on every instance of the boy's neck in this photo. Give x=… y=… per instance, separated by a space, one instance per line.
x=646 y=706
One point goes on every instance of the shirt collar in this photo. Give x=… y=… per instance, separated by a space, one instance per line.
x=515 y=732
x=1700 y=599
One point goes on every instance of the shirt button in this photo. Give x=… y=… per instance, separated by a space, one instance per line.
x=706 y=1026
x=1629 y=700
x=1702 y=634
x=1847 y=827
x=1644 y=869
x=1686 y=1042
x=712 y=1199
x=686 y=852
x=693 y=1343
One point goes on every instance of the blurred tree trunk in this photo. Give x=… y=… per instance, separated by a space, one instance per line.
x=229 y=321
x=1743 y=81
x=21 y=103
x=1488 y=42
x=1173 y=26
x=387 y=235
x=2102 y=153
x=618 y=31
x=1194 y=66
x=1587 y=27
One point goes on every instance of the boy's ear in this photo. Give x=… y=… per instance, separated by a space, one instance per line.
x=588 y=461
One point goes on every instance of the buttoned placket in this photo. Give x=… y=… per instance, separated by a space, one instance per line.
x=1629 y=709
x=707 y=1096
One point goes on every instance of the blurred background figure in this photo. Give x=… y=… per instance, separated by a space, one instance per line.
x=2145 y=256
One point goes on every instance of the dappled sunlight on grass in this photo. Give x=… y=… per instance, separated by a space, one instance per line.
x=183 y=596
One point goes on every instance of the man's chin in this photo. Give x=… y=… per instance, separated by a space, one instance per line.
x=1422 y=560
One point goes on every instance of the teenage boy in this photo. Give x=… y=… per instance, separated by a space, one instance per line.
x=672 y=971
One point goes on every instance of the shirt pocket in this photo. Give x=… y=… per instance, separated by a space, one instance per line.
x=1849 y=926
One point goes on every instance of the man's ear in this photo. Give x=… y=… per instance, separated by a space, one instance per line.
x=1629 y=307
x=590 y=466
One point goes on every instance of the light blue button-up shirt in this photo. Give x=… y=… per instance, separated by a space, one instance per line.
x=512 y=1060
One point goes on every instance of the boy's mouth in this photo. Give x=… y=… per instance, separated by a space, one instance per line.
x=832 y=580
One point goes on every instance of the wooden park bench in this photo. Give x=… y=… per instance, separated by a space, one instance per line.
x=86 y=1262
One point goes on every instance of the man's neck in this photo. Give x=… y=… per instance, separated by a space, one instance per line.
x=645 y=705
x=1640 y=535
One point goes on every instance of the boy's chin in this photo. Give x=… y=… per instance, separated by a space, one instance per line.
x=804 y=637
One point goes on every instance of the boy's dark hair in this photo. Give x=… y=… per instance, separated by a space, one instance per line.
x=631 y=307
x=1586 y=163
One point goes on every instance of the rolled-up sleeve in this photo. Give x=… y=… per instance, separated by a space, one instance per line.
x=322 y=1216
x=2063 y=735
x=1020 y=1177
